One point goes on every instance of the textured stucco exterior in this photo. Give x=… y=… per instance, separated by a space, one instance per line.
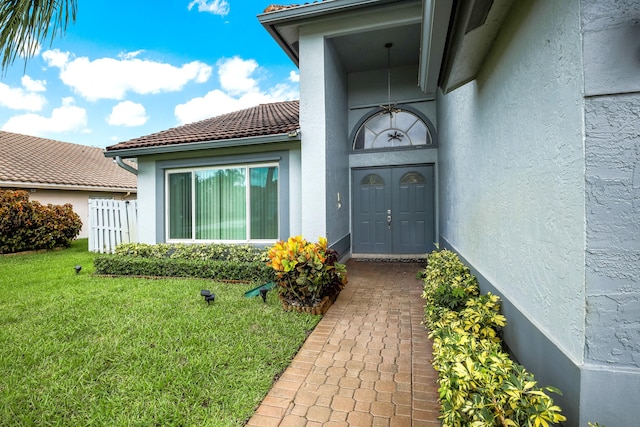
x=611 y=374
x=312 y=112
x=612 y=148
x=337 y=151
x=539 y=164
x=511 y=169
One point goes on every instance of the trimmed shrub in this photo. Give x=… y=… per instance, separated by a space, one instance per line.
x=197 y=251
x=479 y=384
x=172 y=267
x=28 y=225
x=207 y=261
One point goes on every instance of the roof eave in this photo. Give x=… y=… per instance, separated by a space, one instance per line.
x=314 y=10
x=436 y=15
x=70 y=187
x=297 y=14
x=129 y=153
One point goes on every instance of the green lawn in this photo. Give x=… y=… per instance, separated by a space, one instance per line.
x=81 y=350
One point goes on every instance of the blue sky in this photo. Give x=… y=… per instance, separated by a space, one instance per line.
x=130 y=68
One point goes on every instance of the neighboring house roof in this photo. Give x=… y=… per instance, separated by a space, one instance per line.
x=32 y=162
x=276 y=119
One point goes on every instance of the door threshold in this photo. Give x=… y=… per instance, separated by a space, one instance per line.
x=389 y=257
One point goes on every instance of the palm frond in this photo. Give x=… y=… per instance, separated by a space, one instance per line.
x=25 y=24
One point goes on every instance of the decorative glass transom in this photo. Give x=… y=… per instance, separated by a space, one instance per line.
x=372 y=179
x=400 y=128
x=412 y=178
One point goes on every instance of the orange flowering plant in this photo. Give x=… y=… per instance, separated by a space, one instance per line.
x=306 y=272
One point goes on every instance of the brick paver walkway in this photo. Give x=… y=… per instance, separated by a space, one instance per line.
x=367 y=361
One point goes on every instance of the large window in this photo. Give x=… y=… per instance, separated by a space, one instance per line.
x=237 y=203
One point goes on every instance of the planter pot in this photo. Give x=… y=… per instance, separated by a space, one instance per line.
x=318 y=309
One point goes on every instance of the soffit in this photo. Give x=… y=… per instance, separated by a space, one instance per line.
x=474 y=29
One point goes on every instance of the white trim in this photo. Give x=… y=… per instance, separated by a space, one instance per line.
x=247 y=167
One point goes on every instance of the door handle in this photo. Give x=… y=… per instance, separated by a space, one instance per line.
x=389 y=218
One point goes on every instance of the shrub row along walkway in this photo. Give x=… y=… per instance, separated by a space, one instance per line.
x=367 y=363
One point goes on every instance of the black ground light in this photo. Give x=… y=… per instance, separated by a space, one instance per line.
x=208 y=296
x=260 y=290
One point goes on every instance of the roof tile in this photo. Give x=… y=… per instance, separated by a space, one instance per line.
x=29 y=159
x=261 y=120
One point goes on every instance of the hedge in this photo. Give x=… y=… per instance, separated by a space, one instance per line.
x=209 y=261
x=479 y=384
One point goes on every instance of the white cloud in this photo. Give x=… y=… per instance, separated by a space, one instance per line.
x=239 y=90
x=128 y=113
x=56 y=58
x=294 y=77
x=109 y=78
x=67 y=117
x=235 y=75
x=130 y=55
x=217 y=7
x=25 y=98
x=33 y=85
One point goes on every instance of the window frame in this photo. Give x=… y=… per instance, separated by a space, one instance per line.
x=241 y=165
x=404 y=108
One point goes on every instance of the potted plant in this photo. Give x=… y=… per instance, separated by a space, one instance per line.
x=308 y=275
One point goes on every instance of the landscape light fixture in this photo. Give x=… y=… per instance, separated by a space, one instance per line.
x=208 y=296
x=263 y=294
x=77 y=268
x=261 y=290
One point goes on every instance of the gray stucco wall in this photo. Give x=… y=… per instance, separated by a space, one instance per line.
x=612 y=148
x=540 y=193
x=512 y=172
x=337 y=152
x=611 y=376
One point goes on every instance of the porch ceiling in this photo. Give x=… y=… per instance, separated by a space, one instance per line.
x=418 y=41
x=366 y=51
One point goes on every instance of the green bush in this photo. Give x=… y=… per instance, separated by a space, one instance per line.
x=448 y=283
x=199 y=251
x=172 y=267
x=479 y=384
x=210 y=261
x=28 y=225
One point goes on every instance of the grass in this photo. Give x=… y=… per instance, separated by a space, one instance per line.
x=82 y=350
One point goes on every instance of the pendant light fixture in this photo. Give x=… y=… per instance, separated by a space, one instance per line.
x=389 y=108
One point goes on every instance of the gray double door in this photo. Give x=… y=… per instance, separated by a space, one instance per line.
x=393 y=210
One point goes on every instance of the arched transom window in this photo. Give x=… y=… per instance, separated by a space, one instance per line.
x=400 y=128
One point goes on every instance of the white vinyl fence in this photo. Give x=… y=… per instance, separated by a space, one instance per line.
x=112 y=222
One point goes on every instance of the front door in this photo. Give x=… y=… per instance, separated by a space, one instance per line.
x=393 y=210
